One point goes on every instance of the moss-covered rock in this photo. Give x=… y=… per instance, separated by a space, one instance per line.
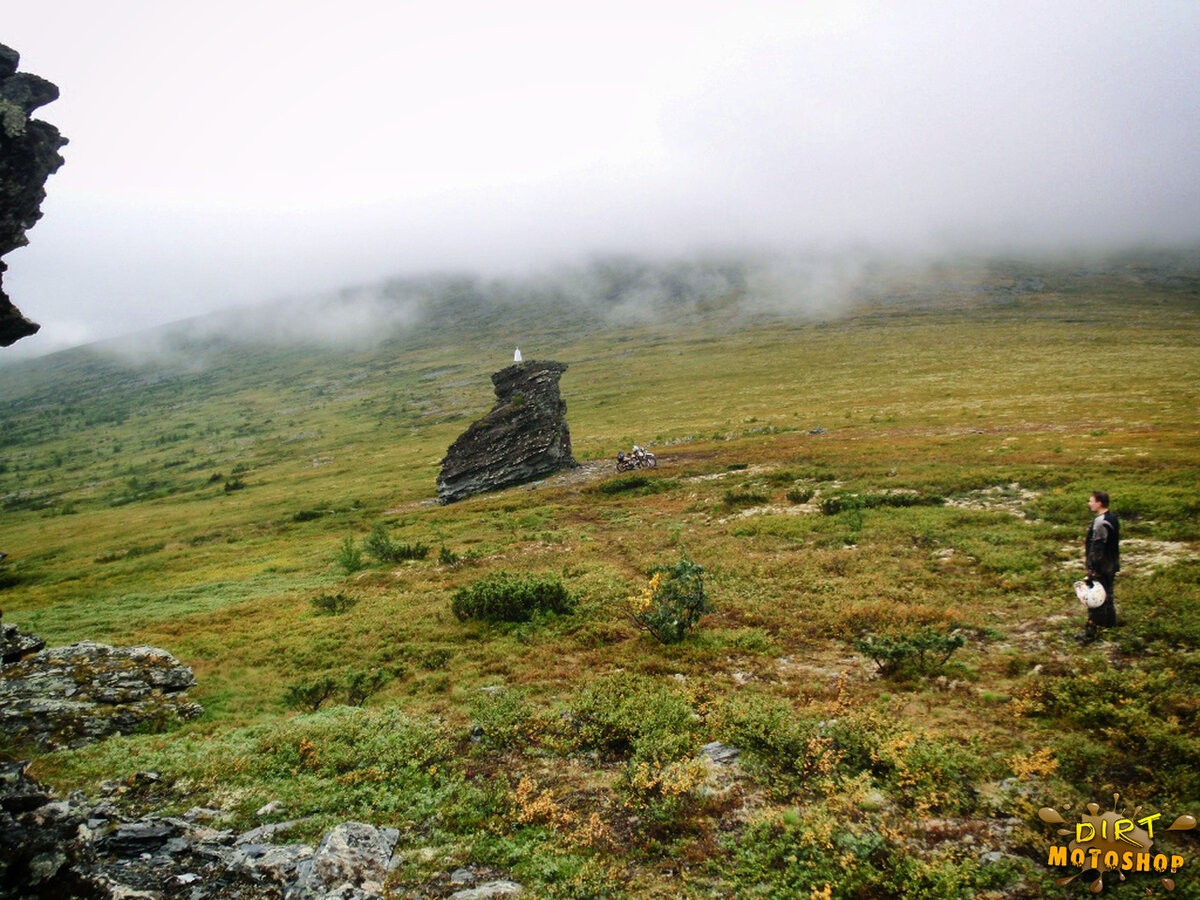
x=70 y=696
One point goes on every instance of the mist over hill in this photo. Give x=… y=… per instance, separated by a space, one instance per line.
x=607 y=293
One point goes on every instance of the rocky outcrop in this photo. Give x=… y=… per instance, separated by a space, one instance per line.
x=351 y=863
x=28 y=156
x=70 y=696
x=52 y=848
x=523 y=438
x=45 y=853
x=15 y=644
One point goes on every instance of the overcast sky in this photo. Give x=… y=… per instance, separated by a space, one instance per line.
x=226 y=152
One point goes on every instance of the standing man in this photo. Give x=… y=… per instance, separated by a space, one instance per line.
x=1103 y=558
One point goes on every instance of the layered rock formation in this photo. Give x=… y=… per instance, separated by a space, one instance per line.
x=28 y=156
x=524 y=437
x=70 y=696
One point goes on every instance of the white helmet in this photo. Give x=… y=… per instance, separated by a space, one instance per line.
x=1092 y=597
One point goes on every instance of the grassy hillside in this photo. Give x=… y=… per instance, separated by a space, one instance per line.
x=913 y=468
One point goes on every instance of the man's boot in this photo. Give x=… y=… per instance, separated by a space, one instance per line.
x=1089 y=633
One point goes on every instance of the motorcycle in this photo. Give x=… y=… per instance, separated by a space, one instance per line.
x=638 y=459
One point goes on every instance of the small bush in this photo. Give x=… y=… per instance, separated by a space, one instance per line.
x=506 y=719
x=234 y=484
x=672 y=602
x=448 y=557
x=743 y=497
x=836 y=503
x=309 y=696
x=332 y=604
x=924 y=651
x=505 y=597
x=349 y=557
x=627 y=715
x=799 y=495
x=379 y=545
x=434 y=659
x=307 y=515
x=361 y=685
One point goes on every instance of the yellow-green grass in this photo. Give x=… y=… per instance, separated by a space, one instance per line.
x=1094 y=386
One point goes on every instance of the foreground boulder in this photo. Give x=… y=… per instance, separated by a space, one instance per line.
x=523 y=438
x=71 y=696
x=351 y=863
x=28 y=156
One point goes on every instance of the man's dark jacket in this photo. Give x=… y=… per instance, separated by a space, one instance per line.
x=1104 y=544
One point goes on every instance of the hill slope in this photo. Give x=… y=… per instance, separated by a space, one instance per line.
x=912 y=468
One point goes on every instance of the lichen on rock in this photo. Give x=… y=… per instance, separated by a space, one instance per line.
x=74 y=695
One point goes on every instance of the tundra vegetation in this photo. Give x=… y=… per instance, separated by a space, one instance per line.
x=887 y=505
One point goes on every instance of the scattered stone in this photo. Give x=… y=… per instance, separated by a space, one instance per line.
x=204 y=814
x=489 y=890
x=524 y=437
x=270 y=809
x=268 y=862
x=28 y=156
x=353 y=854
x=721 y=754
x=135 y=838
x=873 y=801
x=463 y=876
x=70 y=696
x=264 y=833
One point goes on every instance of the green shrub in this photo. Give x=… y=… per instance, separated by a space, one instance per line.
x=435 y=658
x=310 y=695
x=234 y=484
x=506 y=718
x=799 y=495
x=923 y=651
x=349 y=557
x=1131 y=726
x=836 y=503
x=379 y=545
x=307 y=515
x=332 y=604
x=810 y=852
x=743 y=497
x=672 y=602
x=361 y=685
x=448 y=557
x=768 y=729
x=505 y=597
x=626 y=715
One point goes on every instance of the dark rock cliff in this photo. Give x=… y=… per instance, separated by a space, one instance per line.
x=524 y=437
x=28 y=156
